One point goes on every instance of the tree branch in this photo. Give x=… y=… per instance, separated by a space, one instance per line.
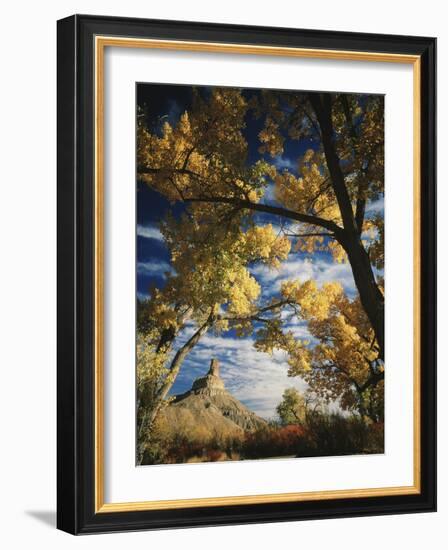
x=278 y=211
x=309 y=234
x=322 y=107
x=255 y=316
x=246 y=204
x=176 y=363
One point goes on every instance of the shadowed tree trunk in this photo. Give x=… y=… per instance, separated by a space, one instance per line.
x=370 y=295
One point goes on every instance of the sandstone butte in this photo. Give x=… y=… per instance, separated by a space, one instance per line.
x=208 y=410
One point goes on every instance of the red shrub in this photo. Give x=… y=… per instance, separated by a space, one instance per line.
x=270 y=442
x=213 y=455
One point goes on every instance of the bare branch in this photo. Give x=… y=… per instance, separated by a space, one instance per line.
x=255 y=316
x=246 y=204
x=284 y=212
x=331 y=235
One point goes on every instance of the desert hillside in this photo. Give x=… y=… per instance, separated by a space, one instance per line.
x=210 y=409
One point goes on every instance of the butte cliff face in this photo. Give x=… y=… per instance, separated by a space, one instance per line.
x=210 y=409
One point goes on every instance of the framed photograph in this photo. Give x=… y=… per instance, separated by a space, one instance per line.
x=246 y=274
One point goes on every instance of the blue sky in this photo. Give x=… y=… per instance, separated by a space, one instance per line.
x=255 y=378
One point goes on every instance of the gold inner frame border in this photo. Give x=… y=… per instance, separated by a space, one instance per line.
x=101 y=42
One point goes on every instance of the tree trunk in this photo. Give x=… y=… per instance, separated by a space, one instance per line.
x=169 y=334
x=150 y=415
x=176 y=365
x=370 y=295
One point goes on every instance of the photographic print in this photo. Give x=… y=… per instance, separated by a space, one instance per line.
x=259 y=274
x=221 y=274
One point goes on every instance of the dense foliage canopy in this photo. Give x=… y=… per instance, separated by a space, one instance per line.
x=204 y=162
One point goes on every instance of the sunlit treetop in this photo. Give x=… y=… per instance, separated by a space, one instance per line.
x=343 y=361
x=203 y=162
x=210 y=269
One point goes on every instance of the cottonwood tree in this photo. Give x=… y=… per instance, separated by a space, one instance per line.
x=202 y=161
x=210 y=287
x=292 y=408
x=343 y=363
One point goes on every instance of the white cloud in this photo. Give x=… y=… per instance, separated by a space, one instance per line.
x=154 y=267
x=296 y=326
x=282 y=163
x=319 y=269
x=269 y=193
x=149 y=232
x=375 y=207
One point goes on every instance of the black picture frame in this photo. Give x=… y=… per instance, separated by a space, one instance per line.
x=76 y=271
